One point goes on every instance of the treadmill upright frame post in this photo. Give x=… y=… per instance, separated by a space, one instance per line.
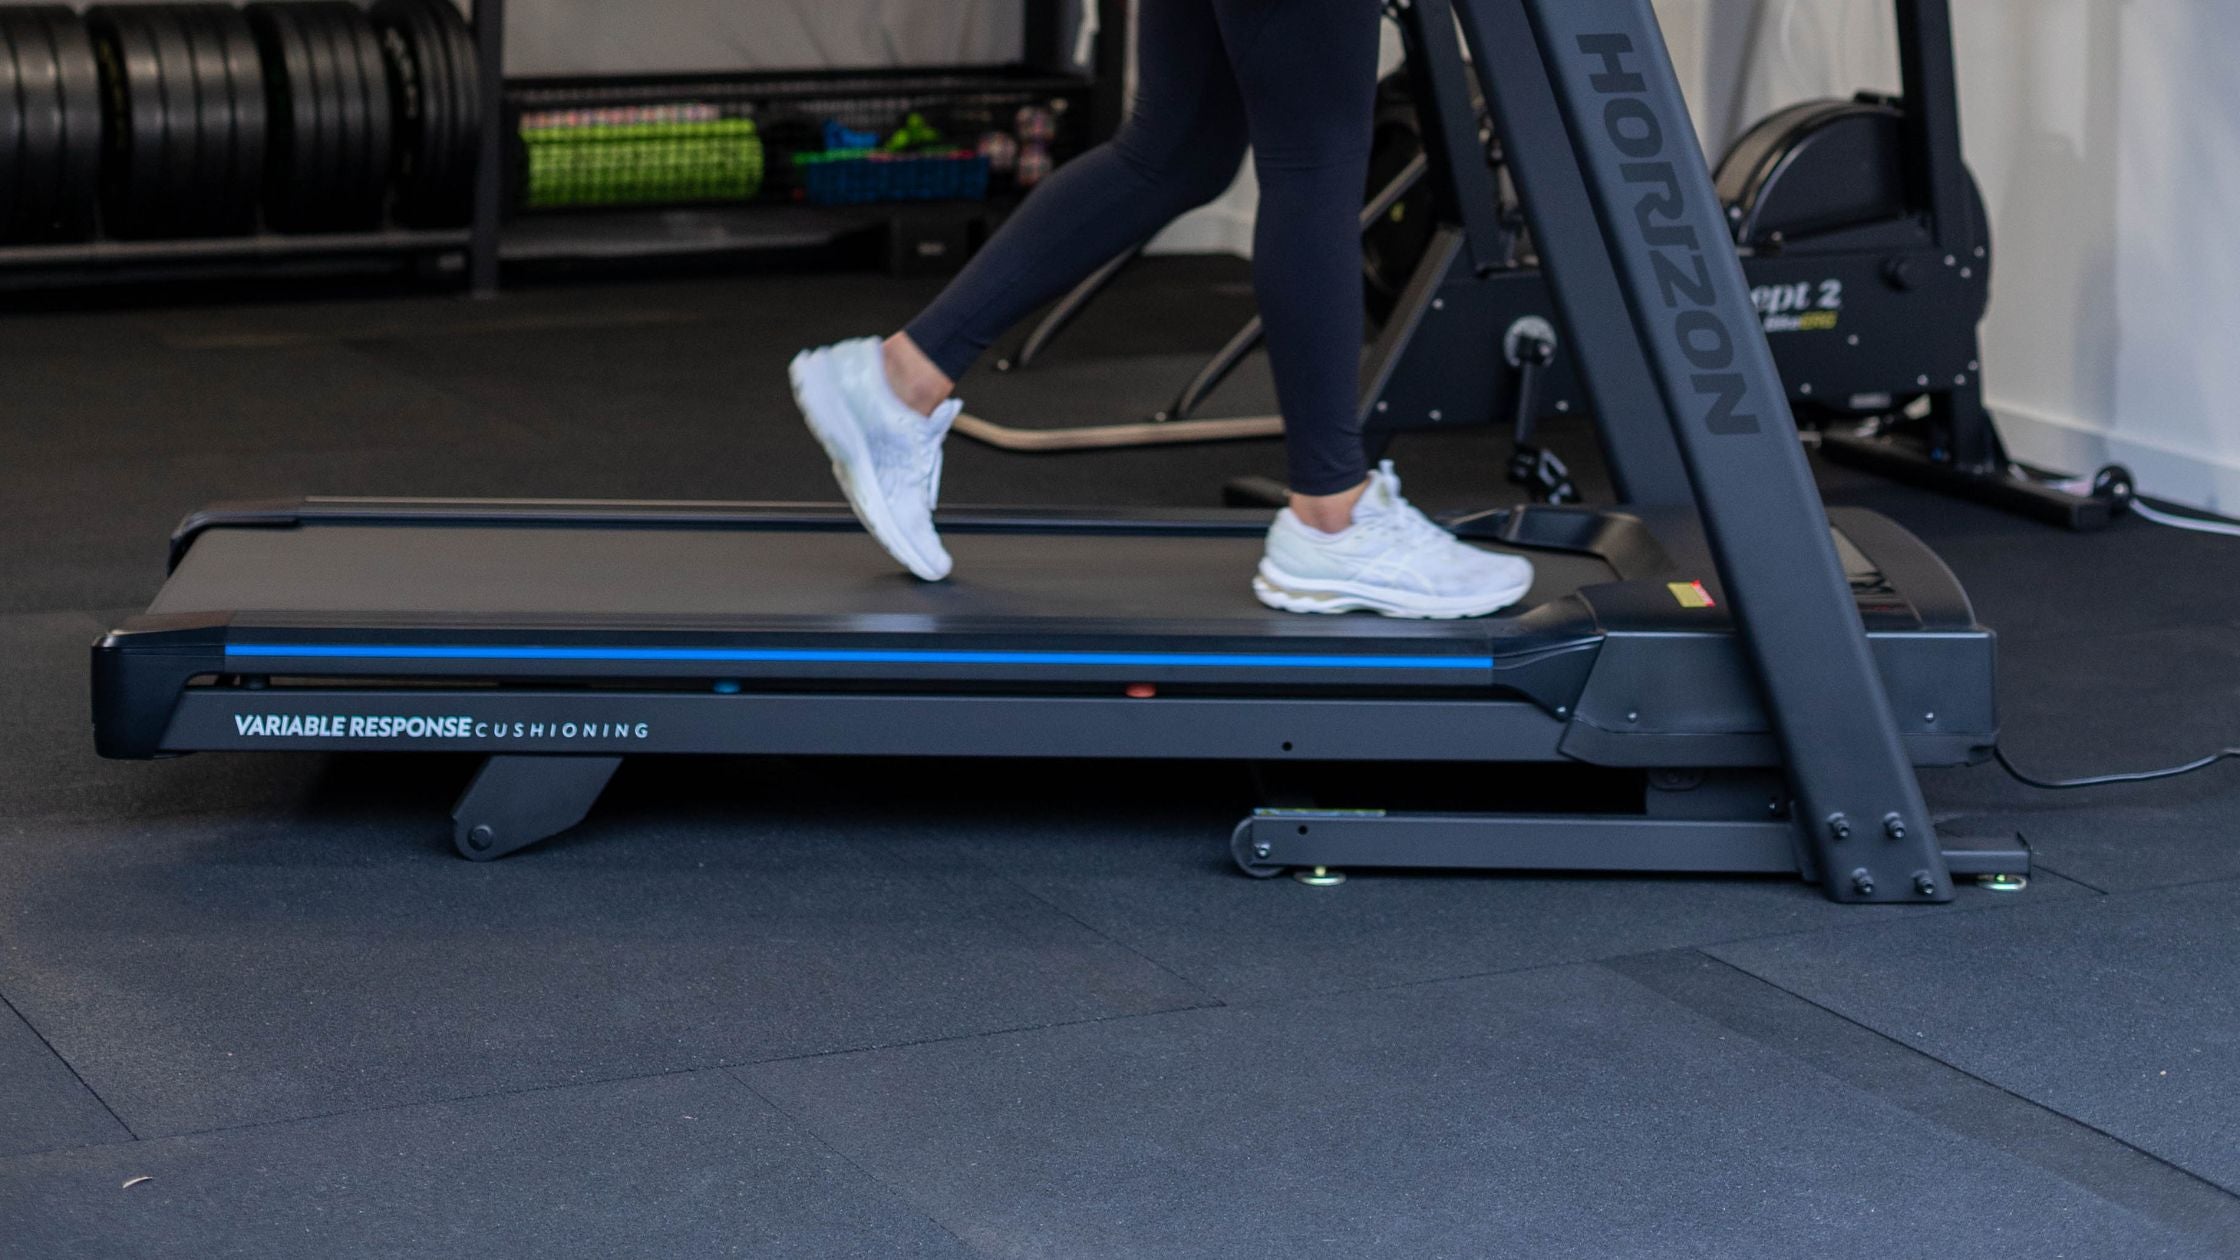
x=1681 y=289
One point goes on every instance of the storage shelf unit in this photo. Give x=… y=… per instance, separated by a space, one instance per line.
x=492 y=239
x=789 y=107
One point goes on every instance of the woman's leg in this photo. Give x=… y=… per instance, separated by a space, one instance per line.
x=1307 y=70
x=1181 y=147
x=882 y=411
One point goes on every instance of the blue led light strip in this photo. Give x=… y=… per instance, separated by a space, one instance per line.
x=843 y=656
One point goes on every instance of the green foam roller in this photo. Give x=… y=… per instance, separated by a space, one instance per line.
x=606 y=163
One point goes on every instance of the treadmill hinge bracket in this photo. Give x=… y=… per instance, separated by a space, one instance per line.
x=515 y=802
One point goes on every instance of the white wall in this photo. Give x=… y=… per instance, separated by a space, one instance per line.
x=607 y=37
x=2106 y=135
x=658 y=36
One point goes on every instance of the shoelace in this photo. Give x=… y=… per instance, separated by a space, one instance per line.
x=1401 y=520
x=1404 y=523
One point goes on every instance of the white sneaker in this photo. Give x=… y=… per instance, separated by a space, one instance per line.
x=1393 y=560
x=886 y=456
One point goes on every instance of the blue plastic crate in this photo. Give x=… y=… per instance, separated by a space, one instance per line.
x=855 y=178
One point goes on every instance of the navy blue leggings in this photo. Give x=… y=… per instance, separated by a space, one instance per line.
x=1296 y=79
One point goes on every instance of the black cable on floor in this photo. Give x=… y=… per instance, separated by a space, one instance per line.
x=2105 y=780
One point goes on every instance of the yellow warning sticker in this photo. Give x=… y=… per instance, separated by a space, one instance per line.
x=1692 y=595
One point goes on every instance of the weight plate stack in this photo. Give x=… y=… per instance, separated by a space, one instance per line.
x=358 y=51
x=435 y=95
x=50 y=125
x=184 y=98
x=296 y=144
x=147 y=74
x=329 y=128
x=229 y=79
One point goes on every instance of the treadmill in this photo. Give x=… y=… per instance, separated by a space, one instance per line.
x=1758 y=677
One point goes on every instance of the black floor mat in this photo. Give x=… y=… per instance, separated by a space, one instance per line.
x=45 y=1105
x=683 y=1165
x=2117 y=1011
x=210 y=972
x=1556 y=1113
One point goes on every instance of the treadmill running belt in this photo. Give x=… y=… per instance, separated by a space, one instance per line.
x=529 y=573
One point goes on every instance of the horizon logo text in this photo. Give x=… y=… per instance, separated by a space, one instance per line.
x=451 y=726
x=1678 y=255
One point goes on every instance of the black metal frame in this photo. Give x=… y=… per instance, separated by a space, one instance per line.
x=1629 y=674
x=490 y=172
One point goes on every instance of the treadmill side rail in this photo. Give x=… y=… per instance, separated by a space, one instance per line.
x=686 y=514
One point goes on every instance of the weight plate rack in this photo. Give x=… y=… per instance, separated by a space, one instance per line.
x=50 y=126
x=354 y=133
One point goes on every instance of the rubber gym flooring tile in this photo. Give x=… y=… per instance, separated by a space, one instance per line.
x=2030 y=580
x=43 y=1106
x=1894 y=1072
x=246 y=402
x=126 y=334
x=650 y=386
x=684 y=1165
x=2117 y=1011
x=1564 y=1112
x=2071 y=703
x=2131 y=578
x=1172 y=894
x=413 y=320
x=215 y=970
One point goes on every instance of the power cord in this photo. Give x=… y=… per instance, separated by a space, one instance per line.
x=2107 y=780
x=2114 y=483
x=2162 y=514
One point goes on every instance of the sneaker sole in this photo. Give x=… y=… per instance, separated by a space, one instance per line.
x=1284 y=593
x=842 y=439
